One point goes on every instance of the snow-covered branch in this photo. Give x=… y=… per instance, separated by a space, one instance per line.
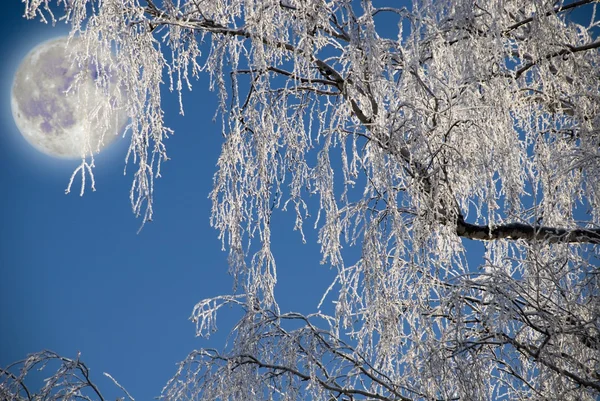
x=520 y=231
x=71 y=380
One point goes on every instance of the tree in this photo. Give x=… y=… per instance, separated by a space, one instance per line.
x=417 y=129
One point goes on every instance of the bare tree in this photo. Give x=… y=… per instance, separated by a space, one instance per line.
x=429 y=125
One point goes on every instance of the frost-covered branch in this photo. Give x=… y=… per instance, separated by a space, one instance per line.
x=70 y=381
x=557 y=9
x=330 y=369
x=569 y=49
x=520 y=231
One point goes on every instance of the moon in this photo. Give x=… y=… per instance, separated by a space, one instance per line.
x=58 y=106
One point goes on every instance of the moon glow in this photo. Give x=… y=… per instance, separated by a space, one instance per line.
x=59 y=116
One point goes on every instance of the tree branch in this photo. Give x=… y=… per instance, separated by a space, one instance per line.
x=555 y=10
x=17 y=380
x=333 y=386
x=534 y=353
x=516 y=231
x=569 y=49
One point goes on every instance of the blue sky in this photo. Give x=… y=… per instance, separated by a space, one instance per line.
x=76 y=277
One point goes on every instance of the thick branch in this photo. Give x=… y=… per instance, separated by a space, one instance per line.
x=555 y=10
x=516 y=231
x=568 y=50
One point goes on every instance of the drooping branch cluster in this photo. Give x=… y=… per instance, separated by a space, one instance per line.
x=549 y=316
x=311 y=363
x=351 y=88
x=507 y=326
x=70 y=381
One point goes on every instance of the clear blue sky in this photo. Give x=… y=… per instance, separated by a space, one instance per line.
x=75 y=276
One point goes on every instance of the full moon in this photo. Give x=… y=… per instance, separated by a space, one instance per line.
x=59 y=116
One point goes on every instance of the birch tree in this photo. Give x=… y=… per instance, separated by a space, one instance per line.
x=407 y=130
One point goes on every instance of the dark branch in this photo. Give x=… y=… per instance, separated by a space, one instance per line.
x=17 y=380
x=555 y=10
x=568 y=50
x=333 y=386
x=535 y=353
x=516 y=231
